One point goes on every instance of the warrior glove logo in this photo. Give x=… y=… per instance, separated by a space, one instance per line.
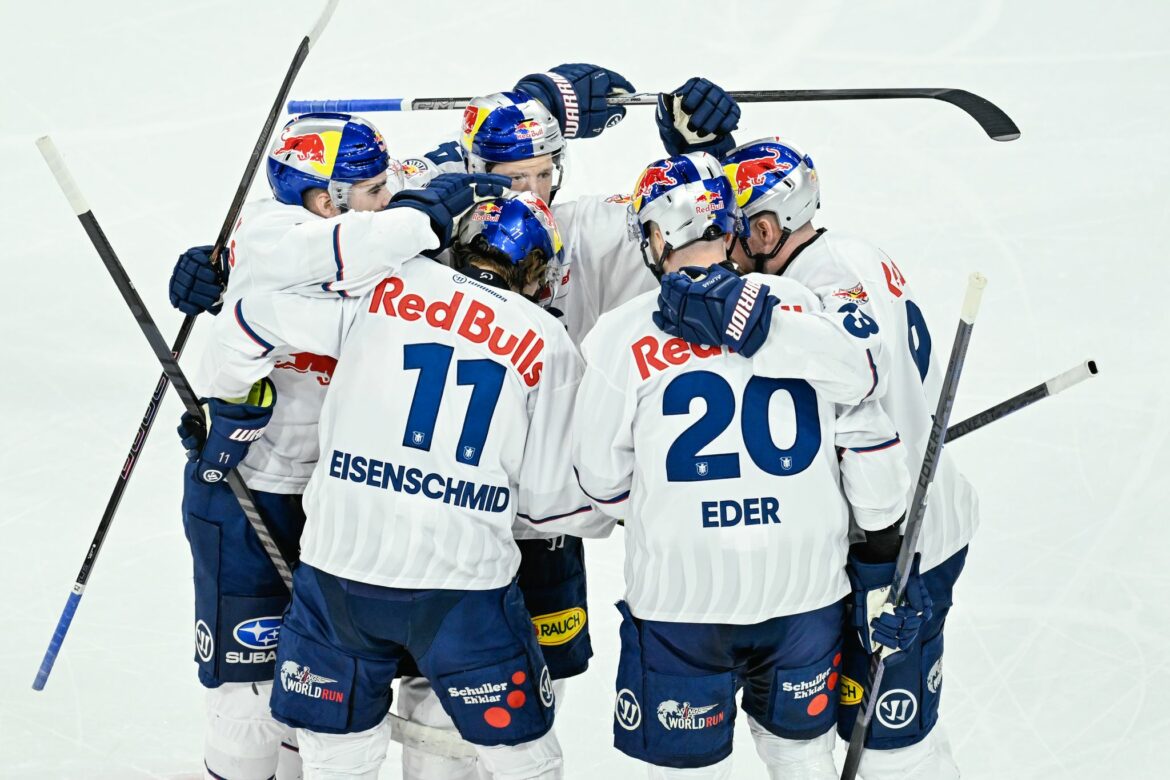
x=546 y=689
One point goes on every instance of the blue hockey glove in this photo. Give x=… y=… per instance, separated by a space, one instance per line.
x=882 y=628
x=575 y=94
x=699 y=116
x=448 y=195
x=715 y=307
x=221 y=445
x=196 y=283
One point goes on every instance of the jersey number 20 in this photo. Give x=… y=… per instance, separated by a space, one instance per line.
x=683 y=462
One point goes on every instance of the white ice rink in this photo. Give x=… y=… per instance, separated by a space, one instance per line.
x=1056 y=652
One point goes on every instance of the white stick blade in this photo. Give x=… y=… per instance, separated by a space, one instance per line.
x=64 y=180
x=323 y=20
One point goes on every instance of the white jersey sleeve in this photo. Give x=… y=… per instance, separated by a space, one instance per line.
x=874 y=473
x=550 y=500
x=290 y=248
x=250 y=337
x=605 y=266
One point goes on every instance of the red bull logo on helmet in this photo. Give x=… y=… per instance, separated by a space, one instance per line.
x=654 y=176
x=529 y=129
x=307 y=148
x=473 y=118
x=486 y=212
x=748 y=174
x=707 y=202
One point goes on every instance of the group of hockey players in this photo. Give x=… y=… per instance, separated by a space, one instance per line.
x=437 y=379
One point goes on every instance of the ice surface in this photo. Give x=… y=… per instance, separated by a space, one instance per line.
x=1055 y=661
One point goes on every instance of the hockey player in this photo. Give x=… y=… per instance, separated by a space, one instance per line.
x=446 y=414
x=779 y=190
x=321 y=167
x=728 y=478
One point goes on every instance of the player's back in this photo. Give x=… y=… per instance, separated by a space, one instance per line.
x=425 y=444
x=861 y=282
x=735 y=512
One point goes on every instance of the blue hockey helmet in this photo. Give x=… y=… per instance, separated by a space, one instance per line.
x=509 y=126
x=689 y=198
x=513 y=227
x=773 y=176
x=329 y=151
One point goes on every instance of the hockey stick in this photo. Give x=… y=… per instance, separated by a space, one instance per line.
x=171 y=369
x=997 y=124
x=1041 y=391
x=916 y=511
x=160 y=389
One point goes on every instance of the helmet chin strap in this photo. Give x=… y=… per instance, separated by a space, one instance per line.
x=760 y=258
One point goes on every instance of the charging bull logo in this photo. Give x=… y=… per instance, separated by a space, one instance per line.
x=309 y=147
x=708 y=202
x=308 y=363
x=654 y=176
x=487 y=212
x=753 y=172
x=529 y=129
x=673 y=715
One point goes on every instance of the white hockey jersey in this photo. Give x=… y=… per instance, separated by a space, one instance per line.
x=278 y=247
x=862 y=283
x=729 y=481
x=445 y=420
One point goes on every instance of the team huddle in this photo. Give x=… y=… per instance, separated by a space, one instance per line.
x=438 y=379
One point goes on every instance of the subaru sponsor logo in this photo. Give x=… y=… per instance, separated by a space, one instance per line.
x=258 y=633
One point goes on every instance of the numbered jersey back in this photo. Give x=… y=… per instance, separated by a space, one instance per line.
x=425 y=431
x=735 y=514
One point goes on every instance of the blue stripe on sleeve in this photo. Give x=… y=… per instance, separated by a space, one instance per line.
x=248 y=329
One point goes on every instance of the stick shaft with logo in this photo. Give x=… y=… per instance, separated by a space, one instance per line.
x=160 y=388
x=169 y=361
x=993 y=119
x=917 y=510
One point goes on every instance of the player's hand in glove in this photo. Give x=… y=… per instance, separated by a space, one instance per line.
x=220 y=439
x=882 y=628
x=699 y=116
x=715 y=307
x=197 y=284
x=575 y=94
x=448 y=195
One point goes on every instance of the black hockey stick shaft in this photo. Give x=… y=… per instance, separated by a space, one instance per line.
x=184 y=333
x=1030 y=396
x=994 y=121
x=917 y=510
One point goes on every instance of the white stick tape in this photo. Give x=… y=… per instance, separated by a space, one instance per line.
x=1071 y=377
x=61 y=173
x=975 y=284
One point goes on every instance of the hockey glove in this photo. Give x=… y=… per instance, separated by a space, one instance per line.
x=447 y=196
x=575 y=95
x=699 y=116
x=715 y=307
x=880 y=627
x=220 y=445
x=197 y=284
